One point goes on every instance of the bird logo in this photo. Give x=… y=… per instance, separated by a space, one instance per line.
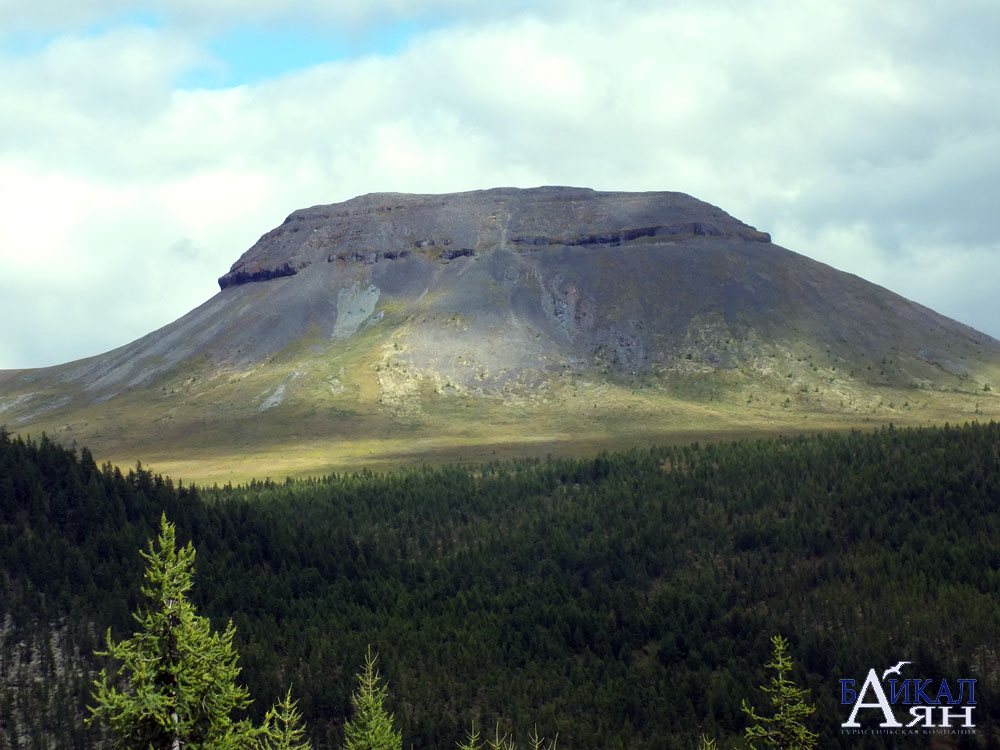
x=895 y=670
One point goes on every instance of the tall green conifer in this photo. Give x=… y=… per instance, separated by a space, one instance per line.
x=371 y=726
x=283 y=727
x=784 y=729
x=176 y=685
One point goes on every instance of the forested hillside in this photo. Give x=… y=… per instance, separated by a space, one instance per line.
x=624 y=601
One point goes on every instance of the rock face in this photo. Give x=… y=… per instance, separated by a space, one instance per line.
x=393 y=226
x=387 y=305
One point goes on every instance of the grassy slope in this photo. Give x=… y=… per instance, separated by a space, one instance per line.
x=351 y=404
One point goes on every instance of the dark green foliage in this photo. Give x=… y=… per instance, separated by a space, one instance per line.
x=623 y=601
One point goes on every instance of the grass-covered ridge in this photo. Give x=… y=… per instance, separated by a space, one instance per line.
x=625 y=600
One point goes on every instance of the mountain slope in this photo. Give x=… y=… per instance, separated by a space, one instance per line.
x=392 y=327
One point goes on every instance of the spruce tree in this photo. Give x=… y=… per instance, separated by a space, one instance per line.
x=784 y=729
x=371 y=726
x=176 y=683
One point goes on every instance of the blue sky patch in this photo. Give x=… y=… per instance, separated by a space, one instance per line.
x=243 y=54
x=251 y=54
x=27 y=41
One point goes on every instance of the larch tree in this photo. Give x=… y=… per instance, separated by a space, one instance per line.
x=283 y=727
x=473 y=741
x=176 y=685
x=370 y=728
x=785 y=729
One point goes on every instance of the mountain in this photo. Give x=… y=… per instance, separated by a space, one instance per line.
x=393 y=328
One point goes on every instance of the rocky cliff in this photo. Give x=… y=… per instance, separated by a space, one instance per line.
x=391 y=226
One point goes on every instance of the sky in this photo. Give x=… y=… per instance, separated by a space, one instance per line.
x=144 y=146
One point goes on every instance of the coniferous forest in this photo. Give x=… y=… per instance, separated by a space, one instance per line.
x=626 y=601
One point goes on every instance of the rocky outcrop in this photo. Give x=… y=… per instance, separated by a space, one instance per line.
x=391 y=226
x=244 y=276
x=619 y=237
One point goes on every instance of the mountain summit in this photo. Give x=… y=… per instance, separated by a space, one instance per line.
x=398 y=326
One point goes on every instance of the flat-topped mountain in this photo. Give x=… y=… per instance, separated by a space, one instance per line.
x=466 y=224
x=393 y=327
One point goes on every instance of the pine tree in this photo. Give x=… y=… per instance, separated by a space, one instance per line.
x=785 y=729
x=283 y=727
x=176 y=685
x=371 y=726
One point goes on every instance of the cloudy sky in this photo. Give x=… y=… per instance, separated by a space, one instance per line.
x=145 y=145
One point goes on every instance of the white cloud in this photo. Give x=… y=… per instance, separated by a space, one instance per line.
x=862 y=135
x=955 y=279
x=63 y=15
